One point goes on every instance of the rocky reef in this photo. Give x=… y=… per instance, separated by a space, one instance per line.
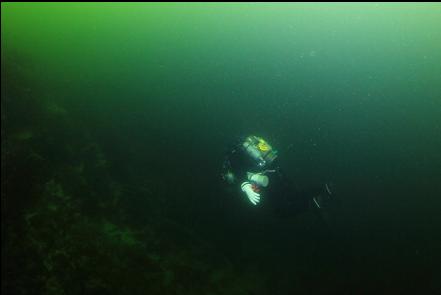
x=65 y=228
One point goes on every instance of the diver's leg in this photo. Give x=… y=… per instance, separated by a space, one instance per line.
x=318 y=196
x=285 y=198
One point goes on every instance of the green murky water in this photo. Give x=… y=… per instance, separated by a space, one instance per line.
x=115 y=120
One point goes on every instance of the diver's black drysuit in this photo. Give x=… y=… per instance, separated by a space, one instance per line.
x=280 y=193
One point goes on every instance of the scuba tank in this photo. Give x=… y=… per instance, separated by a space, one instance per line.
x=259 y=150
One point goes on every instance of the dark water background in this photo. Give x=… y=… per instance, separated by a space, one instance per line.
x=348 y=93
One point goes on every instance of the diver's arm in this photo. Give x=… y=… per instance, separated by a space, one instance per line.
x=236 y=166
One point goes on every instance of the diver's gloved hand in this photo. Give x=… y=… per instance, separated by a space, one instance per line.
x=247 y=188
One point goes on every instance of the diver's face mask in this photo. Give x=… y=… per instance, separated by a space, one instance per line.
x=259 y=150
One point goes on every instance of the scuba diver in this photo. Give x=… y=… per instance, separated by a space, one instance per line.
x=251 y=166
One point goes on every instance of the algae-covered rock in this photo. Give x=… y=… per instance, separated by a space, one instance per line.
x=23 y=135
x=121 y=235
x=55 y=109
